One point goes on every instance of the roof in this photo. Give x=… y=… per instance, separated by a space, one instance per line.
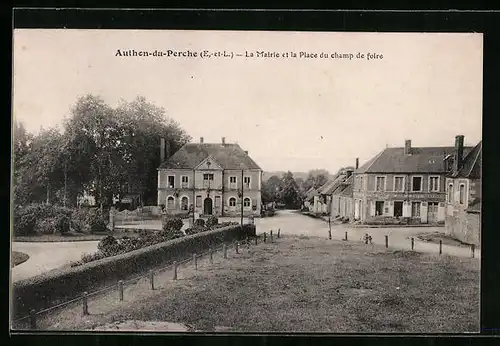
x=421 y=160
x=311 y=193
x=229 y=156
x=347 y=187
x=474 y=206
x=471 y=166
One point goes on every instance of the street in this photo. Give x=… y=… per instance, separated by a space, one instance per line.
x=48 y=256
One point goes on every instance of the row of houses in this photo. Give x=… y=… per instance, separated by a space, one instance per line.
x=429 y=185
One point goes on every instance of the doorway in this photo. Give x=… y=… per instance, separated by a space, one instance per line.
x=432 y=211
x=398 y=209
x=379 y=208
x=207 y=206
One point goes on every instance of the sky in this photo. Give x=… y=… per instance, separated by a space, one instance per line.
x=294 y=114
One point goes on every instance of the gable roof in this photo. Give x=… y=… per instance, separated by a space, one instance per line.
x=228 y=156
x=471 y=166
x=421 y=160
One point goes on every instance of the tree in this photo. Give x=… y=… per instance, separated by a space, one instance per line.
x=270 y=189
x=316 y=179
x=290 y=191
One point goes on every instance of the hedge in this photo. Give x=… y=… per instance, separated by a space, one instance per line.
x=57 y=286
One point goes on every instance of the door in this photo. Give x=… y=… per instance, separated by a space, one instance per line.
x=398 y=209
x=379 y=208
x=432 y=212
x=207 y=206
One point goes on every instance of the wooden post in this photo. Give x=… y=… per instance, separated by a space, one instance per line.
x=412 y=243
x=386 y=241
x=473 y=247
x=152 y=280
x=238 y=247
x=33 y=319
x=212 y=256
x=120 y=288
x=195 y=262
x=330 y=234
x=248 y=241
x=279 y=231
x=345 y=236
x=271 y=235
x=175 y=270
x=256 y=239
x=225 y=251
x=265 y=236
x=440 y=247
x=85 y=304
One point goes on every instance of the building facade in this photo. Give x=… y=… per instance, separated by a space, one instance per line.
x=406 y=183
x=463 y=198
x=210 y=179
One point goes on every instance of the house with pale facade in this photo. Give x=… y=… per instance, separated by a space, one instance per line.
x=210 y=179
x=406 y=182
x=463 y=201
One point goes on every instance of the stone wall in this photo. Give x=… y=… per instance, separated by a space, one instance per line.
x=464 y=226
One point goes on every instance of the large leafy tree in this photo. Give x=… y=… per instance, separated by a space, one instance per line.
x=290 y=191
x=270 y=189
x=316 y=178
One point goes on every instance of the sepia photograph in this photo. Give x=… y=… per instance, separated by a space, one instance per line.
x=204 y=181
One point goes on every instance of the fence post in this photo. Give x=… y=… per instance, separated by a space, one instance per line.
x=212 y=256
x=256 y=239
x=440 y=247
x=265 y=236
x=195 y=262
x=271 y=235
x=279 y=231
x=386 y=241
x=473 y=247
x=248 y=242
x=412 y=243
x=238 y=247
x=33 y=318
x=85 y=304
x=152 y=280
x=175 y=270
x=120 y=288
x=330 y=234
x=345 y=235
x=225 y=251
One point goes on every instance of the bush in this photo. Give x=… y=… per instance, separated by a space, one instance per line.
x=172 y=224
x=41 y=218
x=194 y=230
x=108 y=245
x=211 y=221
x=87 y=220
x=199 y=222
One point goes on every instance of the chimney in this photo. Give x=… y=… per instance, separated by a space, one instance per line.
x=408 y=147
x=223 y=140
x=357 y=162
x=459 y=153
x=162 y=149
x=246 y=152
x=201 y=139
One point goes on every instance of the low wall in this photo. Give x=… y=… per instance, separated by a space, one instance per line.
x=51 y=288
x=464 y=226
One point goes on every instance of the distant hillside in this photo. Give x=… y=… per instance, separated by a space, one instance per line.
x=267 y=175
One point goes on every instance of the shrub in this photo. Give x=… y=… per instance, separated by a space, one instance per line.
x=43 y=218
x=172 y=223
x=194 y=230
x=88 y=220
x=199 y=222
x=211 y=221
x=108 y=245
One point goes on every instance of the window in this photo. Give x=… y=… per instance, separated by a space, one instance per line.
x=184 y=181
x=232 y=182
x=247 y=202
x=433 y=184
x=415 y=209
x=208 y=176
x=198 y=201
x=450 y=193
x=217 y=201
x=232 y=202
x=361 y=183
x=399 y=184
x=184 y=203
x=462 y=194
x=170 y=202
x=416 y=184
x=171 y=181
x=246 y=182
x=380 y=186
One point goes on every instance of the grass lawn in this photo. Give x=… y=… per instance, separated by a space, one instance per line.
x=18 y=258
x=301 y=284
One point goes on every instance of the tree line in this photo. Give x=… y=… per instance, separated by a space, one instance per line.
x=102 y=150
